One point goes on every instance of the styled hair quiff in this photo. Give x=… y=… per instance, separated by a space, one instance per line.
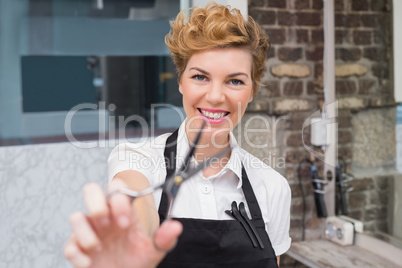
x=216 y=26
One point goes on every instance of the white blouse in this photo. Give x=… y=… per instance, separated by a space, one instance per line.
x=208 y=198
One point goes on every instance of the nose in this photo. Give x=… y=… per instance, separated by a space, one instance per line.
x=215 y=94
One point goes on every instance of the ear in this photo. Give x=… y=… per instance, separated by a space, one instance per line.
x=251 y=98
x=180 y=86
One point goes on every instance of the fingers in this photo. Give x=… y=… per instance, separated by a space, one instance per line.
x=88 y=229
x=166 y=236
x=84 y=238
x=84 y=233
x=74 y=254
x=120 y=205
x=97 y=206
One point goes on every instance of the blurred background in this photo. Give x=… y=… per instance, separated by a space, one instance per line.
x=77 y=77
x=59 y=54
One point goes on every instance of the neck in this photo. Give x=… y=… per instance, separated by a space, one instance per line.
x=208 y=146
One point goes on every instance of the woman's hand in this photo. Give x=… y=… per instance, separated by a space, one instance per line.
x=112 y=234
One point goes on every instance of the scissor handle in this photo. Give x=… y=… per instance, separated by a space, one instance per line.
x=171 y=189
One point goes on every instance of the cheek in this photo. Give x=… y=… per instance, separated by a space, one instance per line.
x=191 y=93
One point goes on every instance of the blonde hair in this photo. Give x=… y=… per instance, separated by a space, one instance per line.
x=216 y=26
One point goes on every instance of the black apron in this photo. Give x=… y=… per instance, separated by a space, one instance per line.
x=216 y=243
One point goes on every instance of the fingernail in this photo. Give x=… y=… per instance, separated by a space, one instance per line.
x=165 y=222
x=123 y=221
x=105 y=221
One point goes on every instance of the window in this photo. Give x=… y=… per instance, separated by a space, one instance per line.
x=105 y=58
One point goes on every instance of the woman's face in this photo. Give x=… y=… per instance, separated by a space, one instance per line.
x=217 y=86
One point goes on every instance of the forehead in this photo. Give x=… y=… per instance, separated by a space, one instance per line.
x=222 y=59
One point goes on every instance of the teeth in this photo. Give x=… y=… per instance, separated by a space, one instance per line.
x=212 y=115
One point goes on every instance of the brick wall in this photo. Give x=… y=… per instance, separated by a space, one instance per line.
x=293 y=90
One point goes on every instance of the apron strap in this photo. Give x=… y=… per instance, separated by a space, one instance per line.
x=170 y=163
x=252 y=203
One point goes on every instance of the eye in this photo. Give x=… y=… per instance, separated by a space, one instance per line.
x=199 y=77
x=236 y=82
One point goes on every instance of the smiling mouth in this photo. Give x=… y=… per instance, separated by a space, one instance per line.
x=213 y=115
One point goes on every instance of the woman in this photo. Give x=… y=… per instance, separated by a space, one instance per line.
x=220 y=59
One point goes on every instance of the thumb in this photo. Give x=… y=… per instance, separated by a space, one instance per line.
x=165 y=238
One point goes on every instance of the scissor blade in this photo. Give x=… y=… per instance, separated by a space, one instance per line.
x=192 y=149
x=205 y=164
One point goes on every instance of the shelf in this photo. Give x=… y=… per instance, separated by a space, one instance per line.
x=324 y=253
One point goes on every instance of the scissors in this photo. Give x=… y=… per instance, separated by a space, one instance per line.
x=172 y=185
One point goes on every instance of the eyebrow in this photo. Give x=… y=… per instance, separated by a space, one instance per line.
x=230 y=75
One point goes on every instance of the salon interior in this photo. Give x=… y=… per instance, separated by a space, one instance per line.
x=77 y=77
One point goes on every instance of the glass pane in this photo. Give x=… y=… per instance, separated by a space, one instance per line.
x=367 y=118
x=55 y=83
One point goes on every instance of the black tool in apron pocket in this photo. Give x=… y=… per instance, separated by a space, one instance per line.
x=243 y=213
x=240 y=215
